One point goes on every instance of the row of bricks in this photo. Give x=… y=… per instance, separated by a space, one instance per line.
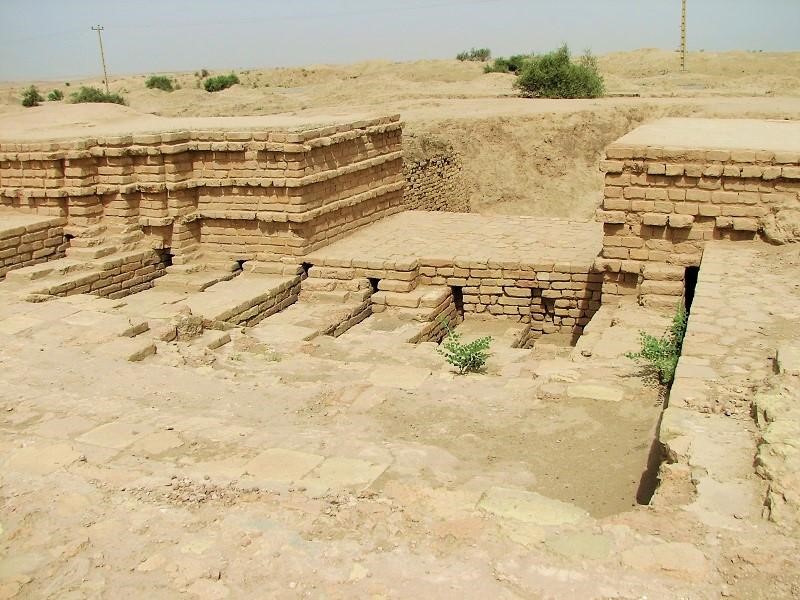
x=621 y=195
x=46 y=189
x=706 y=183
x=334 y=134
x=17 y=235
x=30 y=247
x=360 y=172
x=741 y=219
x=143 y=155
x=768 y=172
x=24 y=258
x=659 y=211
x=622 y=152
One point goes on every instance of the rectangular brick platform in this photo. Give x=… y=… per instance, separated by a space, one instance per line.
x=535 y=270
x=674 y=185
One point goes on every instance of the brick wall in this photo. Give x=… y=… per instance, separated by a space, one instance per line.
x=306 y=187
x=662 y=205
x=31 y=244
x=435 y=183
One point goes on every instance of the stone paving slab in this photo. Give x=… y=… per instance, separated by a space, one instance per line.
x=530 y=507
x=286 y=466
x=339 y=473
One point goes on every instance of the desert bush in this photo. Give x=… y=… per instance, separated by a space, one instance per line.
x=31 y=97
x=662 y=354
x=475 y=54
x=512 y=64
x=468 y=357
x=554 y=75
x=55 y=95
x=159 y=82
x=220 y=82
x=92 y=94
x=203 y=73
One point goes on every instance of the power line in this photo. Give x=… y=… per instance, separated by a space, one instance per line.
x=98 y=29
x=683 y=35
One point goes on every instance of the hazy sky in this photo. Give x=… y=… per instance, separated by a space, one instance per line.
x=42 y=39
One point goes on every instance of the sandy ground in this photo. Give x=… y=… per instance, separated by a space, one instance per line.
x=521 y=156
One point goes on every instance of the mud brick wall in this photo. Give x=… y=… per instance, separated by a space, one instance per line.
x=275 y=301
x=32 y=244
x=125 y=275
x=552 y=297
x=435 y=183
x=307 y=187
x=662 y=205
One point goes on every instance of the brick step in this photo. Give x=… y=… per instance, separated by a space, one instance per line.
x=90 y=252
x=308 y=319
x=60 y=266
x=271 y=268
x=320 y=284
x=423 y=296
x=246 y=299
x=67 y=284
x=194 y=281
x=336 y=296
x=107 y=263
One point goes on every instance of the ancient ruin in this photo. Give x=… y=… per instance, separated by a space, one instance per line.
x=281 y=291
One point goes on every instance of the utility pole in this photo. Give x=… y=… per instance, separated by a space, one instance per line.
x=683 y=35
x=98 y=29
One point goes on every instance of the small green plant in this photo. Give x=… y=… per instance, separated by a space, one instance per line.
x=92 y=94
x=220 y=82
x=662 y=354
x=31 y=97
x=475 y=55
x=468 y=357
x=512 y=64
x=554 y=75
x=55 y=95
x=159 y=82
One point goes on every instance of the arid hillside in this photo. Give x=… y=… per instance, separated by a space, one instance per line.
x=520 y=156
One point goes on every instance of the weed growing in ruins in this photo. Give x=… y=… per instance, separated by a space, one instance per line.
x=467 y=358
x=662 y=354
x=31 y=97
x=554 y=75
x=475 y=54
x=55 y=95
x=220 y=82
x=159 y=82
x=92 y=94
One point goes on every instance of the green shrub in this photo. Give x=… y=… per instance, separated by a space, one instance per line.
x=554 y=75
x=512 y=64
x=467 y=358
x=159 y=82
x=92 y=94
x=662 y=354
x=31 y=97
x=220 y=82
x=55 y=95
x=475 y=54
